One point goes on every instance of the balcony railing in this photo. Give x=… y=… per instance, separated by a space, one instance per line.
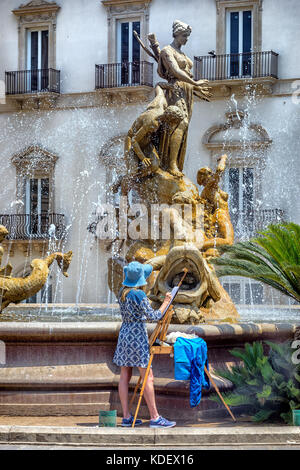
x=125 y=74
x=248 y=225
x=265 y=217
x=32 y=81
x=237 y=66
x=33 y=227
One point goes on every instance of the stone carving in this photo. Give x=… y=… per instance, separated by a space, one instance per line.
x=36 y=18
x=154 y=153
x=34 y=158
x=37 y=3
x=16 y=289
x=236 y=120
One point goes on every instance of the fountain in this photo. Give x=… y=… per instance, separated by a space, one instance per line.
x=63 y=368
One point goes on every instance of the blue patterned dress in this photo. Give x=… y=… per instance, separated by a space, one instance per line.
x=133 y=345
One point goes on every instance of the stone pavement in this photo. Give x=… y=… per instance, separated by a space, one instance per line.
x=84 y=432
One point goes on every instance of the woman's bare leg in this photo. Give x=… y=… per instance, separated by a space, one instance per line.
x=149 y=393
x=125 y=376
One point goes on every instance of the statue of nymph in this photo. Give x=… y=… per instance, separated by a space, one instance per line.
x=175 y=67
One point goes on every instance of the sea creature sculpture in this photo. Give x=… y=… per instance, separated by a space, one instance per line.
x=16 y=289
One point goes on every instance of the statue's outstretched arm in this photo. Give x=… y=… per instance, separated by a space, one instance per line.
x=174 y=70
x=221 y=165
x=136 y=139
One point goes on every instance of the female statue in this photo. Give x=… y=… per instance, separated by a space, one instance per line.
x=175 y=67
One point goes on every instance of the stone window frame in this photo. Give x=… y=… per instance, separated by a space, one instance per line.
x=34 y=162
x=125 y=10
x=237 y=152
x=36 y=15
x=222 y=6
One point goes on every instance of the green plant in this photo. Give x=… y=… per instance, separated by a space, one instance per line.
x=273 y=258
x=268 y=384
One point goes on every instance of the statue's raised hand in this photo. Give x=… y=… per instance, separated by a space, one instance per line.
x=146 y=161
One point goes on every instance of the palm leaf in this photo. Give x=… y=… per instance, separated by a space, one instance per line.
x=273 y=259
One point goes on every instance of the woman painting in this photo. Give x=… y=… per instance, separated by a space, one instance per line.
x=133 y=346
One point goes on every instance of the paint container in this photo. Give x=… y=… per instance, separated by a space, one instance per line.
x=296 y=417
x=108 y=418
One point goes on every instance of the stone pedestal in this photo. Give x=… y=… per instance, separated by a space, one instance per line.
x=67 y=369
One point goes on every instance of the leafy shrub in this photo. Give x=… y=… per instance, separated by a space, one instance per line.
x=268 y=384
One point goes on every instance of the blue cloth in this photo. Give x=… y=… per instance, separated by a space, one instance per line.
x=133 y=345
x=190 y=357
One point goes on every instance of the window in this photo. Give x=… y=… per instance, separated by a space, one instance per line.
x=244 y=291
x=239 y=42
x=37 y=59
x=37 y=37
x=37 y=204
x=123 y=17
x=239 y=184
x=35 y=180
x=239 y=29
x=37 y=49
x=128 y=51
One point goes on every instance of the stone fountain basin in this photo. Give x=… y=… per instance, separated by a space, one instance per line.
x=67 y=369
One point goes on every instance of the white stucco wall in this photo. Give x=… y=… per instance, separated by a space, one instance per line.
x=281 y=34
x=81 y=35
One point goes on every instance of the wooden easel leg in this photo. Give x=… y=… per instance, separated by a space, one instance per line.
x=219 y=393
x=142 y=389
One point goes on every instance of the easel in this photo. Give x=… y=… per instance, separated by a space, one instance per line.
x=159 y=333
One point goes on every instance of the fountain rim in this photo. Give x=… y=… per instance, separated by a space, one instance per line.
x=85 y=332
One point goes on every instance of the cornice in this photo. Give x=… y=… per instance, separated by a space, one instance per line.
x=36 y=7
x=111 y=3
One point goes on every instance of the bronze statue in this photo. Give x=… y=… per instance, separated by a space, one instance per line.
x=175 y=67
x=218 y=226
x=6 y=270
x=155 y=151
x=140 y=152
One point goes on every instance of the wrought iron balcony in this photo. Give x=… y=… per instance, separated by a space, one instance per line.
x=237 y=66
x=32 y=81
x=265 y=217
x=33 y=227
x=125 y=74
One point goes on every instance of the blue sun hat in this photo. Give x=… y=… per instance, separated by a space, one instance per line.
x=136 y=274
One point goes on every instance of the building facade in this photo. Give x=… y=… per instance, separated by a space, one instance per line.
x=75 y=80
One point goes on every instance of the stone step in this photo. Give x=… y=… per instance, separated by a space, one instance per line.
x=54 y=397
x=172 y=398
x=48 y=409
x=171 y=407
x=181 y=436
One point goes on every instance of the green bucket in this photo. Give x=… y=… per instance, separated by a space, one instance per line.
x=108 y=418
x=296 y=417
